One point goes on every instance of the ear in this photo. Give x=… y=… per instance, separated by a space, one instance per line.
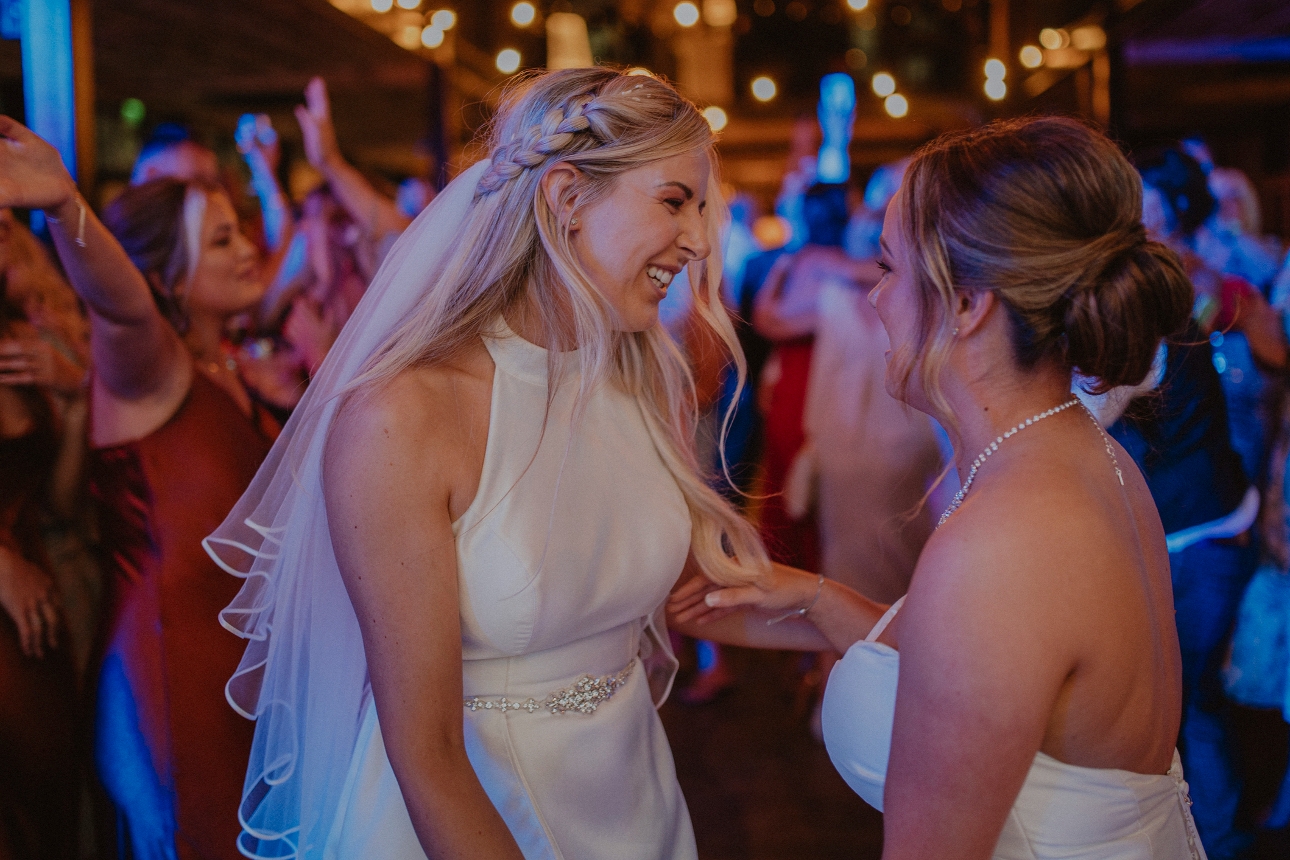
x=971 y=309
x=558 y=188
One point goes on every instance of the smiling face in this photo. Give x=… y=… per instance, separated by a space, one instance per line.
x=637 y=237
x=896 y=299
x=226 y=279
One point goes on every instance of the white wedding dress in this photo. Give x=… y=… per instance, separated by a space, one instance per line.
x=1063 y=811
x=570 y=547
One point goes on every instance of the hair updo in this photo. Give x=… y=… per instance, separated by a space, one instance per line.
x=1047 y=214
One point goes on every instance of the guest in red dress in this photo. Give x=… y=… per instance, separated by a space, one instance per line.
x=177 y=437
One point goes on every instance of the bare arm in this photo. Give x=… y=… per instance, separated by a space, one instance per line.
x=136 y=353
x=773 y=318
x=837 y=618
x=389 y=473
x=982 y=662
x=365 y=204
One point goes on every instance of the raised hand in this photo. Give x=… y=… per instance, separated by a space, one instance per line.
x=32 y=175
x=316 y=126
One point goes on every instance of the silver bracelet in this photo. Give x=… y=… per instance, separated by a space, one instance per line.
x=80 y=226
x=800 y=613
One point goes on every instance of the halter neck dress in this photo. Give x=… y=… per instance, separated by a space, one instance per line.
x=1063 y=811
x=565 y=557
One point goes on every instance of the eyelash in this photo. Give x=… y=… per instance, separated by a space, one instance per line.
x=880 y=264
x=675 y=203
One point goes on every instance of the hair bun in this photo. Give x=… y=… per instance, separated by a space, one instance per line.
x=1115 y=321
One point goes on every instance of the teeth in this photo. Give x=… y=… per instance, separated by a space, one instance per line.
x=662 y=276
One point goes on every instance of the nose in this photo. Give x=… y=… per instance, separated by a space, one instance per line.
x=694 y=237
x=872 y=295
x=246 y=249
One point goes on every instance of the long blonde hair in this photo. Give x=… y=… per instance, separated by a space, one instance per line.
x=512 y=248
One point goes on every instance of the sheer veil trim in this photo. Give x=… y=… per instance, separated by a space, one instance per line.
x=303 y=676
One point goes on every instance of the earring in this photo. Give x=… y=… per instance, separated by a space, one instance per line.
x=956 y=331
x=573 y=223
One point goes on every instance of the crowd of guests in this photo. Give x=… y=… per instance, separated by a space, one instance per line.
x=138 y=397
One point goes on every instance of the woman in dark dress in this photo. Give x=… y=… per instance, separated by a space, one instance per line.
x=177 y=437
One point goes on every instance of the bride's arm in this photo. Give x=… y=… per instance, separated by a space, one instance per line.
x=836 y=616
x=984 y=651
x=391 y=465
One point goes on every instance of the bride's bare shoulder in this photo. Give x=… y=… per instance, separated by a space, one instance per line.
x=424 y=406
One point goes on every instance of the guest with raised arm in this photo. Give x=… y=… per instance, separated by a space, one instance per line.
x=177 y=436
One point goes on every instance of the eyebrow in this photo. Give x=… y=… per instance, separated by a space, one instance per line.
x=685 y=189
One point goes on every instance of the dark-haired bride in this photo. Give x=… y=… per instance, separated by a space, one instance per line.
x=1023 y=700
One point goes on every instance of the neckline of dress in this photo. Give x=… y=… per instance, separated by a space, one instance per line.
x=523 y=358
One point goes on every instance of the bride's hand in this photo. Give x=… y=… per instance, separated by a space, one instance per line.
x=781 y=589
x=32 y=175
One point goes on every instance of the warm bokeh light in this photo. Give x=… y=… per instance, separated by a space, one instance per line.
x=444 y=19
x=716 y=117
x=720 y=13
x=883 y=85
x=1088 y=38
x=640 y=70
x=771 y=232
x=896 y=105
x=1031 y=57
x=1054 y=39
x=409 y=37
x=995 y=70
x=409 y=4
x=995 y=88
x=686 y=14
x=523 y=14
x=432 y=37
x=382 y=5
x=858 y=5
x=508 y=60
x=764 y=89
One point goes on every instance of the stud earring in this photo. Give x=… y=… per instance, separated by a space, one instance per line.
x=573 y=223
x=956 y=331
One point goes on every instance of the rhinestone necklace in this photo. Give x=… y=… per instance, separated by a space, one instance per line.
x=994 y=446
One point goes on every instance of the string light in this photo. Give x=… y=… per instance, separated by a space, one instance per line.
x=382 y=5
x=523 y=14
x=686 y=14
x=444 y=19
x=508 y=60
x=996 y=89
x=1031 y=57
x=896 y=105
x=764 y=88
x=716 y=117
x=858 y=5
x=432 y=37
x=883 y=85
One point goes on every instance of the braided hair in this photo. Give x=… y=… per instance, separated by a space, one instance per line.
x=513 y=251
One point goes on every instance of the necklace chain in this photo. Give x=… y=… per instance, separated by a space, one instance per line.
x=994 y=446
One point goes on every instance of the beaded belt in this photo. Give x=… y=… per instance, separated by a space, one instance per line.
x=586 y=694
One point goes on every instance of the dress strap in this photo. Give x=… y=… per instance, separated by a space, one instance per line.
x=885 y=620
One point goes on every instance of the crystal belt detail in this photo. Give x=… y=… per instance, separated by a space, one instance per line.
x=586 y=694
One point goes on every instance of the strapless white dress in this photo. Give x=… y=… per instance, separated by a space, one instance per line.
x=1063 y=811
x=575 y=537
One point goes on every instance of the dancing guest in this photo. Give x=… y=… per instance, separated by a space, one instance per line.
x=1023 y=699
x=177 y=438
x=38 y=789
x=482 y=502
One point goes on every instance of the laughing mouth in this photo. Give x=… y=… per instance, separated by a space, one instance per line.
x=661 y=277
